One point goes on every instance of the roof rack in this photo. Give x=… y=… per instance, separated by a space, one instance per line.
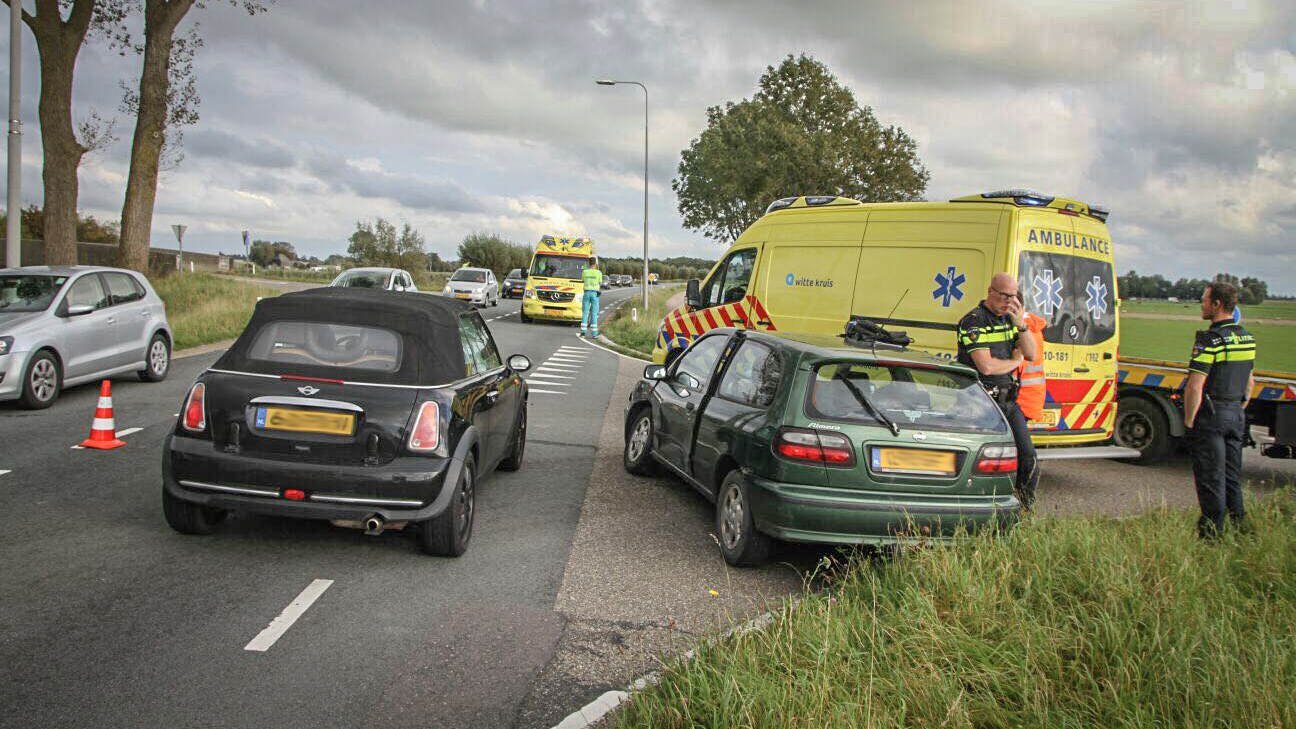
x=864 y=332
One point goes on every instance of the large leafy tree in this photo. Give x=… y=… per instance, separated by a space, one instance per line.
x=167 y=98
x=59 y=39
x=802 y=133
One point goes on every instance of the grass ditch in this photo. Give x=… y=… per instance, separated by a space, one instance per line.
x=204 y=308
x=1172 y=340
x=1063 y=622
x=639 y=335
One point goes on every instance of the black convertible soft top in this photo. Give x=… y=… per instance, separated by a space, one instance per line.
x=428 y=327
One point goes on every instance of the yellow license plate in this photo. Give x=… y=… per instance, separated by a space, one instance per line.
x=914 y=460
x=463 y=296
x=1049 y=420
x=305 y=421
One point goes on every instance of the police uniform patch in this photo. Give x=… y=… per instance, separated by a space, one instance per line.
x=973 y=334
x=1197 y=349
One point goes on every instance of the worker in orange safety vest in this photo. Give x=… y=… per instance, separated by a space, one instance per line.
x=1031 y=383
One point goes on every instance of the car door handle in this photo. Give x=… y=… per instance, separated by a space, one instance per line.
x=492 y=396
x=690 y=407
x=1081 y=368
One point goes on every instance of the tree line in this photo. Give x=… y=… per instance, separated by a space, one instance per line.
x=1132 y=285
x=490 y=250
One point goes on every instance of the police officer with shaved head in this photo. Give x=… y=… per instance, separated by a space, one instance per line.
x=1215 y=397
x=990 y=340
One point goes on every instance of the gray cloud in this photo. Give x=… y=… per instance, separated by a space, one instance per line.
x=417 y=193
x=218 y=144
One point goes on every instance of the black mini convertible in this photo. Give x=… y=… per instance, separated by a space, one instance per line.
x=367 y=408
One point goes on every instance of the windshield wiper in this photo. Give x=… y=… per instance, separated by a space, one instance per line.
x=859 y=396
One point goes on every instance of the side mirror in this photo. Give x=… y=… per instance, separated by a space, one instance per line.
x=519 y=363
x=654 y=372
x=80 y=309
x=693 y=294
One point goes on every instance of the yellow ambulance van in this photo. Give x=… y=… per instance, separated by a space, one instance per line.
x=553 y=286
x=810 y=264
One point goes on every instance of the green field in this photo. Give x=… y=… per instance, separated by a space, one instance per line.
x=1171 y=339
x=1267 y=310
x=1064 y=622
x=203 y=308
x=640 y=335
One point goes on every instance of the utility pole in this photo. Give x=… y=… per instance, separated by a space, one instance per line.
x=13 y=234
x=610 y=82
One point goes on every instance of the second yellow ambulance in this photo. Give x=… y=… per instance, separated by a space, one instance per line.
x=553 y=285
x=812 y=263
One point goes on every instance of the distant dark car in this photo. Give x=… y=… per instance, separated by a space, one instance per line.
x=367 y=408
x=809 y=439
x=514 y=284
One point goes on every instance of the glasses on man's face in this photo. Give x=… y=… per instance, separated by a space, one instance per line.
x=1004 y=294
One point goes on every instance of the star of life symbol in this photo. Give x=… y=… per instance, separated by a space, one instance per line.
x=1097 y=302
x=1047 y=292
x=948 y=284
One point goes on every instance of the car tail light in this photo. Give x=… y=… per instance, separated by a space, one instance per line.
x=997 y=459
x=294 y=494
x=426 y=434
x=195 y=409
x=815 y=446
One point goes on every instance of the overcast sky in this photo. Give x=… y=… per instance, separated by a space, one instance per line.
x=483 y=116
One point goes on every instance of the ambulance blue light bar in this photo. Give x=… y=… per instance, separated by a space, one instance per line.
x=1021 y=197
x=780 y=204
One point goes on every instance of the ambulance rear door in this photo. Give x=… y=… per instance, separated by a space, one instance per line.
x=1064 y=272
x=922 y=269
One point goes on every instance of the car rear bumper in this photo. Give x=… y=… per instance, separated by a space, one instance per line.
x=408 y=488
x=798 y=513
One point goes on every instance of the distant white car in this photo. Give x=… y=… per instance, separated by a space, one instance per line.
x=477 y=285
x=64 y=325
x=387 y=279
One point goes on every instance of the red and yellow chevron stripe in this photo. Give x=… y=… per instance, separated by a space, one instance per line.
x=681 y=326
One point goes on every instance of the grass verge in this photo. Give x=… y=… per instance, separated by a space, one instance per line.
x=1271 y=309
x=1170 y=339
x=640 y=335
x=204 y=308
x=1068 y=622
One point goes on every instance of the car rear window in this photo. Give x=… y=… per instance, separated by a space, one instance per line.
x=469 y=276
x=911 y=397
x=328 y=345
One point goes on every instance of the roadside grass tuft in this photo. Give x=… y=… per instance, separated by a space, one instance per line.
x=204 y=308
x=1063 y=622
x=641 y=335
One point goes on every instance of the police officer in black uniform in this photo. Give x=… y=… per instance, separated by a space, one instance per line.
x=989 y=340
x=1215 y=398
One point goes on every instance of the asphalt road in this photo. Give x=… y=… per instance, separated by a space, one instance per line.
x=109 y=618
x=578 y=579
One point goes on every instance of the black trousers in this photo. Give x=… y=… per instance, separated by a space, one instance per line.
x=1027 y=471
x=1216 y=440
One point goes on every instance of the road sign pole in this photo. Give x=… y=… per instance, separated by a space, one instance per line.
x=179 y=231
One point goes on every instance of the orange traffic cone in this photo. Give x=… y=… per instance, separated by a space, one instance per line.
x=103 y=434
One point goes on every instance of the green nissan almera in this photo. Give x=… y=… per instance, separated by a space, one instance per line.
x=816 y=439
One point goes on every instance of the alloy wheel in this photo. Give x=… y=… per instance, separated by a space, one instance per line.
x=732 y=518
x=44 y=380
x=639 y=437
x=158 y=360
x=464 y=504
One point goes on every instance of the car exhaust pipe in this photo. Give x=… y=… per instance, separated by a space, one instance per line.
x=373 y=525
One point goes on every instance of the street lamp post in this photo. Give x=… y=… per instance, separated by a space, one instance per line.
x=13 y=233
x=609 y=82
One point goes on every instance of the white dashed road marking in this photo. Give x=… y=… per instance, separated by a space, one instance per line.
x=559 y=367
x=120 y=434
x=547 y=392
x=551 y=375
x=285 y=619
x=3 y=472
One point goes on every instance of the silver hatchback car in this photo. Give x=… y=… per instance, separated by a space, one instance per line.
x=65 y=325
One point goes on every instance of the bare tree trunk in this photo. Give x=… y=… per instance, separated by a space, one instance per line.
x=58 y=43
x=160 y=20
